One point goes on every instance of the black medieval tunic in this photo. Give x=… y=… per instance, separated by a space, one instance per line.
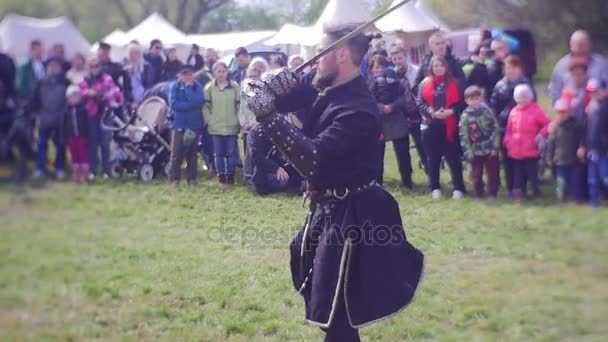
x=353 y=243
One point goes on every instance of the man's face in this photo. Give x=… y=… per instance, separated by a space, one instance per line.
x=135 y=56
x=157 y=49
x=327 y=67
x=501 y=50
x=580 y=45
x=243 y=60
x=59 y=50
x=513 y=73
x=296 y=63
x=53 y=68
x=438 y=46
x=399 y=60
x=210 y=57
x=103 y=55
x=37 y=51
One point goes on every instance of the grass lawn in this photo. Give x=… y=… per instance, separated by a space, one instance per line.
x=121 y=260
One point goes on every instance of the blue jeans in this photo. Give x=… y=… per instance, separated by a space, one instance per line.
x=44 y=134
x=597 y=177
x=223 y=149
x=568 y=182
x=98 y=139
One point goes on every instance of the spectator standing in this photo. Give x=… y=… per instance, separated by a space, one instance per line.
x=503 y=102
x=527 y=122
x=242 y=59
x=496 y=65
x=437 y=99
x=276 y=62
x=58 y=52
x=222 y=100
x=76 y=131
x=391 y=98
x=154 y=57
x=295 y=62
x=580 y=47
x=140 y=76
x=99 y=92
x=246 y=117
x=211 y=57
x=172 y=66
x=406 y=73
x=30 y=72
x=195 y=59
x=480 y=139
x=109 y=67
x=260 y=64
x=78 y=71
x=596 y=144
x=8 y=72
x=565 y=140
x=476 y=72
x=49 y=102
x=186 y=101
x=439 y=47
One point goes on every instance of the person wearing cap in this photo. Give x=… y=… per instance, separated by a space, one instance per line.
x=527 y=121
x=195 y=59
x=186 y=100
x=565 y=139
x=596 y=143
x=76 y=132
x=49 y=104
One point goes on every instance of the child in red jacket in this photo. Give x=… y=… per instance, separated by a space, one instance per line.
x=526 y=125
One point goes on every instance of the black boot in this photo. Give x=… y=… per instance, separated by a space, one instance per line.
x=221 y=179
x=230 y=179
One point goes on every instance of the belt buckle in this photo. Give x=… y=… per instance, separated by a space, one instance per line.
x=335 y=194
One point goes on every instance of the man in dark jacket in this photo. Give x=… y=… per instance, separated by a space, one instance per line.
x=348 y=275
x=242 y=59
x=267 y=171
x=195 y=59
x=439 y=47
x=113 y=69
x=476 y=72
x=596 y=143
x=154 y=57
x=58 y=51
x=30 y=73
x=49 y=102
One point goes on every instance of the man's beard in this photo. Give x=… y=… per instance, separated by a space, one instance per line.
x=325 y=81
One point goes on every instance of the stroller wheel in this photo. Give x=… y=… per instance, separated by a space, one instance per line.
x=116 y=170
x=145 y=172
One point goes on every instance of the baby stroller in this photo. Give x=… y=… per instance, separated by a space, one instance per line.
x=141 y=139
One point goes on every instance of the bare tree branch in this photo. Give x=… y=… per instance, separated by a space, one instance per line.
x=202 y=8
x=124 y=13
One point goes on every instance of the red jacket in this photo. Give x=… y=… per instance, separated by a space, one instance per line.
x=524 y=125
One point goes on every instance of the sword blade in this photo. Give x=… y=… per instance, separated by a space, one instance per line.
x=348 y=36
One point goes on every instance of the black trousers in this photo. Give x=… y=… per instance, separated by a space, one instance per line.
x=179 y=152
x=525 y=171
x=437 y=146
x=417 y=136
x=507 y=164
x=404 y=160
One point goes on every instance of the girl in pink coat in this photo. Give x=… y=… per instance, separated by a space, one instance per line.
x=527 y=122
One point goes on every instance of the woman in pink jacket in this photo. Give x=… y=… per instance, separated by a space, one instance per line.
x=527 y=122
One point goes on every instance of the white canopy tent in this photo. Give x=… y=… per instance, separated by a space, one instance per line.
x=336 y=12
x=409 y=23
x=17 y=31
x=226 y=43
x=155 y=27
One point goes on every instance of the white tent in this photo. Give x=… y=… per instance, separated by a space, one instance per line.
x=337 y=12
x=410 y=23
x=423 y=7
x=155 y=27
x=17 y=31
x=226 y=43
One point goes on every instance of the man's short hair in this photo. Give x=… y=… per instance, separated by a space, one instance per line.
x=35 y=42
x=104 y=46
x=154 y=42
x=241 y=51
x=196 y=47
x=358 y=45
x=514 y=61
x=473 y=91
x=396 y=49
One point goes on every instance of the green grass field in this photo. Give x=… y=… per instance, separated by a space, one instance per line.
x=120 y=260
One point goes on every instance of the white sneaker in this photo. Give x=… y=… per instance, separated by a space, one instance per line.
x=106 y=176
x=458 y=195
x=60 y=175
x=38 y=174
x=436 y=194
x=91 y=177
